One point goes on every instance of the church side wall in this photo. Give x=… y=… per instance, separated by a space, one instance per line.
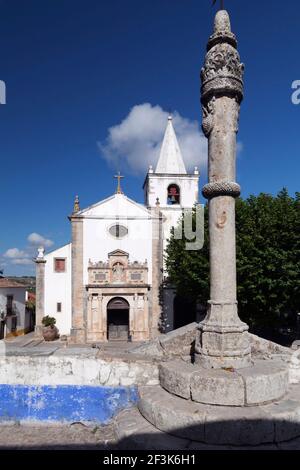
x=58 y=289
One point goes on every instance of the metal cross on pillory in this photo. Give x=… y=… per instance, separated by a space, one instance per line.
x=221 y=4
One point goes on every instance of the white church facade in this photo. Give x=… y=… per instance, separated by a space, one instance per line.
x=105 y=284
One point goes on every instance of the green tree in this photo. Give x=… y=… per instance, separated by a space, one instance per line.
x=268 y=261
x=188 y=270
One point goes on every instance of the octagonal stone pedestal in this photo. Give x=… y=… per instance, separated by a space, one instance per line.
x=250 y=406
x=222 y=425
x=263 y=382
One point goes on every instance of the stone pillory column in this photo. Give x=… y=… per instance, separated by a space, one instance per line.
x=188 y=391
x=78 y=331
x=223 y=339
x=40 y=290
x=157 y=264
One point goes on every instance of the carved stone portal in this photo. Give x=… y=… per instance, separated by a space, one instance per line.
x=114 y=282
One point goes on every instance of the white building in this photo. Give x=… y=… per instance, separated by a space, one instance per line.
x=13 y=318
x=105 y=284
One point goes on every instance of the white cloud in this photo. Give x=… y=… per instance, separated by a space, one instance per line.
x=135 y=142
x=14 y=253
x=37 y=239
x=17 y=256
x=21 y=261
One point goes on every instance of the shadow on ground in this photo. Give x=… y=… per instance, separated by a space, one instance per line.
x=230 y=434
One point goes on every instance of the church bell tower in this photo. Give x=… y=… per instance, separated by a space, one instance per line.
x=170 y=184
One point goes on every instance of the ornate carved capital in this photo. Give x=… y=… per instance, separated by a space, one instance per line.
x=223 y=71
x=221 y=188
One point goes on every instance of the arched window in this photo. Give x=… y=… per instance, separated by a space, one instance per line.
x=173 y=194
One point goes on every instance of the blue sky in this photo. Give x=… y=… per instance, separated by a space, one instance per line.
x=75 y=69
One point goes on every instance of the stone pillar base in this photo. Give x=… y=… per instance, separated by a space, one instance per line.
x=95 y=336
x=77 y=335
x=154 y=333
x=222 y=341
x=222 y=362
x=38 y=331
x=140 y=336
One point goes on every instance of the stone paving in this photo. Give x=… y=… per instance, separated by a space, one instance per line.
x=29 y=345
x=56 y=437
x=127 y=432
x=134 y=432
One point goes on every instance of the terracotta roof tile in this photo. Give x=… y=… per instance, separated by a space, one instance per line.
x=4 y=282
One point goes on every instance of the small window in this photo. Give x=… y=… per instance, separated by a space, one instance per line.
x=58 y=307
x=9 y=304
x=173 y=194
x=118 y=231
x=14 y=322
x=59 y=265
x=100 y=277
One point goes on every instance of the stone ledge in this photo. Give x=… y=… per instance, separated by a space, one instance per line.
x=135 y=433
x=175 y=343
x=180 y=342
x=221 y=425
x=175 y=377
x=264 y=382
x=217 y=387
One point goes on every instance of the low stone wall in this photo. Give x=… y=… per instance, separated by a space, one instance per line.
x=64 y=403
x=178 y=342
x=68 y=389
x=181 y=342
x=54 y=370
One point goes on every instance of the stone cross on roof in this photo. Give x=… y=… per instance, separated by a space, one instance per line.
x=119 y=176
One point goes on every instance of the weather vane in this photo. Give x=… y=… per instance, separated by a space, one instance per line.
x=118 y=176
x=221 y=4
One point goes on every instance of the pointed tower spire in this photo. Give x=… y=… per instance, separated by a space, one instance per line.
x=170 y=158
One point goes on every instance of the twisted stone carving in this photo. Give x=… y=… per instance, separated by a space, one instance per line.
x=208 y=117
x=221 y=188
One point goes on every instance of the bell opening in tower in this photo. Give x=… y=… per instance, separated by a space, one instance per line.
x=173 y=194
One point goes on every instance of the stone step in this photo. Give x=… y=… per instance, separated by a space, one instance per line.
x=263 y=382
x=222 y=425
x=134 y=432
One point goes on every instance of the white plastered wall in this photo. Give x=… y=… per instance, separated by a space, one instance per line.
x=58 y=289
x=19 y=295
x=98 y=242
